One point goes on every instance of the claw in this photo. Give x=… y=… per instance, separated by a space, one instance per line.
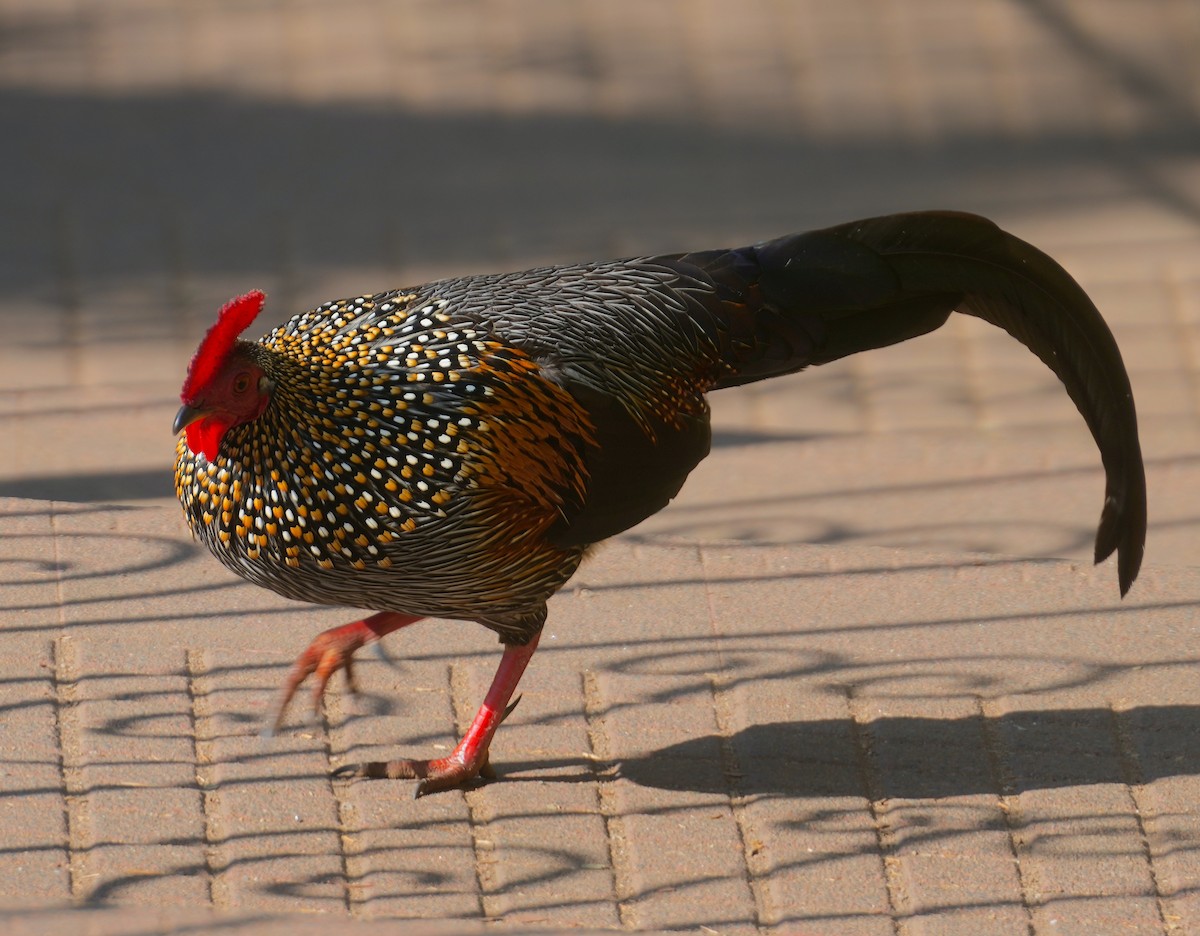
x=348 y=772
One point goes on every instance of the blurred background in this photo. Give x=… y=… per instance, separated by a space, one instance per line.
x=159 y=156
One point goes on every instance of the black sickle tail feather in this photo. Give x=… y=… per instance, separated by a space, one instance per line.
x=816 y=297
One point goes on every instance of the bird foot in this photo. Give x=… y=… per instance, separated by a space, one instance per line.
x=432 y=776
x=334 y=650
x=466 y=763
x=329 y=652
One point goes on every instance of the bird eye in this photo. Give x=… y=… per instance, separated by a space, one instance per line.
x=241 y=383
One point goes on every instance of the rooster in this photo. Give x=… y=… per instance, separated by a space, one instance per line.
x=453 y=450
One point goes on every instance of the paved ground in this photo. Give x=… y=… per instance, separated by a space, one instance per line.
x=860 y=678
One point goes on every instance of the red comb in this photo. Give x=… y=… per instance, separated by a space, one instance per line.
x=234 y=318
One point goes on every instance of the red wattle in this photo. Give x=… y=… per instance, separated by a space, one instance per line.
x=204 y=435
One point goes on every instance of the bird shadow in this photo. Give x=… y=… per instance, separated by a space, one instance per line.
x=909 y=757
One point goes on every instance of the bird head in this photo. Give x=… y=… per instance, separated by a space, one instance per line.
x=225 y=386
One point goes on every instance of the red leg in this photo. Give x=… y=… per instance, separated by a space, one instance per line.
x=333 y=650
x=470 y=758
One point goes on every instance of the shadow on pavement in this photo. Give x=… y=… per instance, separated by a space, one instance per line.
x=934 y=758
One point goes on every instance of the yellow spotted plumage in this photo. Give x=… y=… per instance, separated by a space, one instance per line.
x=391 y=428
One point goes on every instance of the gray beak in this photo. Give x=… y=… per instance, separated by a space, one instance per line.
x=186 y=416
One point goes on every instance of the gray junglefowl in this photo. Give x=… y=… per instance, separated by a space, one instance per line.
x=452 y=450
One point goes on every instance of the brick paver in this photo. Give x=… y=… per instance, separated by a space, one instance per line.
x=830 y=740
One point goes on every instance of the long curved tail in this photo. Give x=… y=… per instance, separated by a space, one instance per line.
x=815 y=297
